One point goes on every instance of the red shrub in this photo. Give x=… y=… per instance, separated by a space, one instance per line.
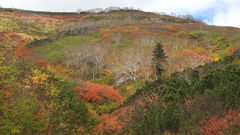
x=41 y=63
x=23 y=52
x=95 y=93
x=109 y=125
x=215 y=126
x=133 y=27
x=37 y=18
x=14 y=35
x=133 y=37
x=21 y=43
x=146 y=33
x=112 y=124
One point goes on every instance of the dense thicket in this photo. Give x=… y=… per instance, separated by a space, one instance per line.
x=35 y=101
x=181 y=101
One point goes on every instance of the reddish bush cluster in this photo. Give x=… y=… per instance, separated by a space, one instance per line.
x=23 y=52
x=21 y=43
x=119 y=29
x=96 y=92
x=215 y=126
x=133 y=27
x=109 y=125
x=37 y=18
x=13 y=35
x=41 y=63
x=6 y=94
x=195 y=53
x=133 y=37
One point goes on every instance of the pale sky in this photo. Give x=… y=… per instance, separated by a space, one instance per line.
x=214 y=12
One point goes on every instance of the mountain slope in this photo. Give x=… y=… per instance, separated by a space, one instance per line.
x=90 y=73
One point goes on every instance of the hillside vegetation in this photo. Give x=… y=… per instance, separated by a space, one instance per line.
x=92 y=73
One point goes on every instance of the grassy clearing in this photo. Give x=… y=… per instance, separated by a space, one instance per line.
x=55 y=50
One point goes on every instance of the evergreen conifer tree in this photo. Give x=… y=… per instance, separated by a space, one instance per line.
x=158 y=58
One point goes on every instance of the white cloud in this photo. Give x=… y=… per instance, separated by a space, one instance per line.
x=229 y=17
x=72 y=5
x=181 y=6
x=225 y=12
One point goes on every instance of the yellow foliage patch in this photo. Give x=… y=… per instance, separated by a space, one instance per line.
x=215 y=57
x=36 y=79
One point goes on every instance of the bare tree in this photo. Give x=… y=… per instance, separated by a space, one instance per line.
x=95 y=10
x=109 y=9
x=117 y=37
x=79 y=10
x=148 y=40
x=134 y=65
x=85 y=26
x=82 y=56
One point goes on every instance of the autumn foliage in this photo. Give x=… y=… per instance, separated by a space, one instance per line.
x=41 y=63
x=109 y=125
x=23 y=52
x=6 y=94
x=114 y=123
x=21 y=43
x=215 y=126
x=96 y=93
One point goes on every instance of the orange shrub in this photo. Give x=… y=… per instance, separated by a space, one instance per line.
x=6 y=94
x=96 y=92
x=104 y=30
x=119 y=29
x=109 y=125
x=106 y=36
